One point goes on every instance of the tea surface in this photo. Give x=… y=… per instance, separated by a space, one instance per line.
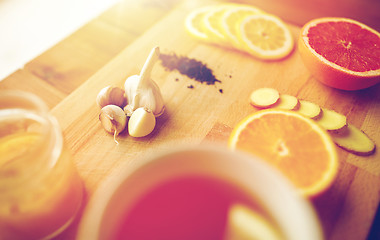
x=184 y=208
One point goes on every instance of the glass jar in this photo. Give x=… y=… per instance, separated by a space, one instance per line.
x=40 y=189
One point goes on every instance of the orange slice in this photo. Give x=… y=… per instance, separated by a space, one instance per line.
x=291 y=142
x=265 y=36
x=341 y=53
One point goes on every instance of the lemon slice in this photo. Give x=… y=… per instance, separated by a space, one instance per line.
x=212 y=25
x=194 y=23
x=15 y=145
x=232 y=16
x=265 y=36
x=244 y=223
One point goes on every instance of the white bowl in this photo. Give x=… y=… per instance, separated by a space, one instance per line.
x=293 y=214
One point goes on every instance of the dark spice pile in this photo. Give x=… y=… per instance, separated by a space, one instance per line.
x=192 y=68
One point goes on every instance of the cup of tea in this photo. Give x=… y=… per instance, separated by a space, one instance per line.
x=201 y=192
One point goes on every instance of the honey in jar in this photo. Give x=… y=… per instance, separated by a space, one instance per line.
x=40 y=189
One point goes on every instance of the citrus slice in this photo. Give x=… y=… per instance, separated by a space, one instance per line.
x=231 y=17
x=212 y=26
x=16 y=145
x=291 y=142
x=194 y=22
x=341 y=53
x=245 y=223
x=265 y=36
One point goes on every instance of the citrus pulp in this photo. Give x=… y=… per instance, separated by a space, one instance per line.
x=292 y=143
x=341 y=53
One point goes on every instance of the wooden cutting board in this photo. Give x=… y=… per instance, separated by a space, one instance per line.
x=203 y=113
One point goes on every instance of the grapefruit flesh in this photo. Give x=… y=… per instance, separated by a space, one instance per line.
x=348 y=45
x=341 y=53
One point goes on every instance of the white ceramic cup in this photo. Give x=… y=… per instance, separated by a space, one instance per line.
x=293 y=214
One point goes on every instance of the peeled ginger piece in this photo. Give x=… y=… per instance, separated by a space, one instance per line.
x=287 y=102
x=344 y=135
x=354 y=140
x=332 y=121
x=244 y=223
x=264 y=97
x=309 y=109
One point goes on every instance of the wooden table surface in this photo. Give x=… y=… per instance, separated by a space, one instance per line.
x=114 y=45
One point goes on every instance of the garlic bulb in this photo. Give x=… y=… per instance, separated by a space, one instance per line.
x=113 y=119
x=142 y=91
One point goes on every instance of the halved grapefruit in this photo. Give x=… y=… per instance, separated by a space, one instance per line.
x=341 y=53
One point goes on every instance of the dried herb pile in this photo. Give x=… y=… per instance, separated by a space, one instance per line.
x=190 y=67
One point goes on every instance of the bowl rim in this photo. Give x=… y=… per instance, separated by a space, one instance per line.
x=97 y=205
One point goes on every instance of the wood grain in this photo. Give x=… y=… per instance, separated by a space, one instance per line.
x=69 y=63
x=26 y=81
x=115 y=45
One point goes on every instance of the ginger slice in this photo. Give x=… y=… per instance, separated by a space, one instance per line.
x=287 y=102
x=332 y=121
x=264 y=97
x=309 y=109
x=354 y=140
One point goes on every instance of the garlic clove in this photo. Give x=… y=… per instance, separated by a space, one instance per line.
x=141 y=123
x=111 y=95
x=113 y=119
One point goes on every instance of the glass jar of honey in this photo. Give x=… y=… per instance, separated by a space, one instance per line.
x=40 y=189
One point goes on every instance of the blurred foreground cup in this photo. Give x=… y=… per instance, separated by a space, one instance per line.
x=199 y=193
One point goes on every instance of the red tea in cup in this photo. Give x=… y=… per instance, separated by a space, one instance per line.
x=191 y=207
x=198 y=193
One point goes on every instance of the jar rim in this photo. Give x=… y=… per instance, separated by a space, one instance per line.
x=29 y=100
x=47 y=147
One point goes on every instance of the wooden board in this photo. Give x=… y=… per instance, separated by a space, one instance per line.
x=199 y=114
